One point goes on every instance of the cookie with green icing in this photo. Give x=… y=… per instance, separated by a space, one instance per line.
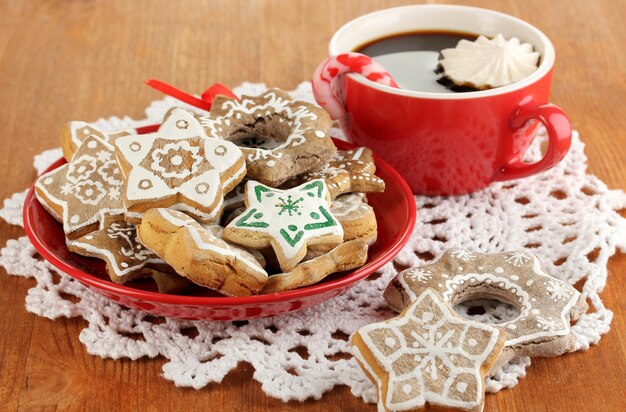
x=287 y=220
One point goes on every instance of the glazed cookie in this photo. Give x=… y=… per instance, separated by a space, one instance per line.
x=126 y=259
x=348 y=255
x=196 y=253
x=357 y=219
x=280 y=137
x=287 y=220
x=428 y=357
x=75 y=133
x=80 y=192
x=178 y=167
x=348 y=171
x=546 y=305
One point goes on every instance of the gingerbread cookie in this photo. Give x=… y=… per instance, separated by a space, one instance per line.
x=126 y=259
x=280 y=137
x=75 y=133
x=357 y=219
x=346 y=256
x=428 y=357
x=197 y=254
x=348 y=171
x=178 y=167
x=287 y=220
x=546 y=305
x=80 y=192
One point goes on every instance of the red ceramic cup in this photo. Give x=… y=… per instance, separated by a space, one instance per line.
x=449 y=143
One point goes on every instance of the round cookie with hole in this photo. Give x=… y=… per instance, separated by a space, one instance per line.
x=280 y=137
x=546 y=304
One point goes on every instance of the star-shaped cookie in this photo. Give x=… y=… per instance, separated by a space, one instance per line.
x=349 y=171
x=428 y=356
x=178 y=167
x=76 y=132
x=80 y=192
x=126 y=258
x=287 y=220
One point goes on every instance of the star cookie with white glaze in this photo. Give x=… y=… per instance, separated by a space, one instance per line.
x=349 y=171
x=75 y=133
x=287 y=220
x=196 y=252
x=178 y=167
x=428 y=357
x=80 y=192
x=126 y=258
x=280 y=137
x=546 y=304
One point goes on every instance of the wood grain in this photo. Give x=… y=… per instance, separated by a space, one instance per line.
x=62 y=60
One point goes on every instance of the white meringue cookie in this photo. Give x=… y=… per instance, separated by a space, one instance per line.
x=489 y=63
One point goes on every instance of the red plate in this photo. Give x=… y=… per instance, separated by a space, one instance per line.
x=395 y=213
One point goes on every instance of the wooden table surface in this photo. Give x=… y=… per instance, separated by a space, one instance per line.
x=64 y=60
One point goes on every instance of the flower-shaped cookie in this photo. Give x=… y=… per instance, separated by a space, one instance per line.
x=126 y=258
x=428 y=355
x=286 y=220
x=178 y=167
x=280 y=137
x=80 y=192
x=349 y=171
x=546 y=305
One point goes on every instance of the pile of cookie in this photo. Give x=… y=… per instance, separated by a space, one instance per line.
x=250 y=198
x=430 y=358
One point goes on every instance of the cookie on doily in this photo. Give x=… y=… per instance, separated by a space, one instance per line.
x=79 y=193
x=280 y=137
x=428 y=357
x=287 y=220
x=126 y=258
x=547 y=305
x=197 y=253
x=179 y=167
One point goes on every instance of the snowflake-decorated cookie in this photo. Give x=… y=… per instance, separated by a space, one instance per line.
x=546 y=305
x=287 y=220
x=348 y=171
x=75 y=133
x=347 y=256
x=126 y=258
x=428 y=357
x=280 y=137
x=178 y=167
x=80 y=192
x=196 y=252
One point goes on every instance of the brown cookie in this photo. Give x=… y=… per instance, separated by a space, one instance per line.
x=348 y=171
x=280 y=137
x=178 y=167
x=428 y=357
x=126 y=258
x=347 y=256
x=546 y=305
x=196 y=253
x=79 y=193
x=74 y=133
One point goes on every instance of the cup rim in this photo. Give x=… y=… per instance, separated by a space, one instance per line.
x=547 y=61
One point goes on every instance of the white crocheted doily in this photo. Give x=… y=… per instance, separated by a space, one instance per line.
x=565 y=216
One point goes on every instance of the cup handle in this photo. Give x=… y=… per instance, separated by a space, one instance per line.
x=559 y=131
x=327 y=80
